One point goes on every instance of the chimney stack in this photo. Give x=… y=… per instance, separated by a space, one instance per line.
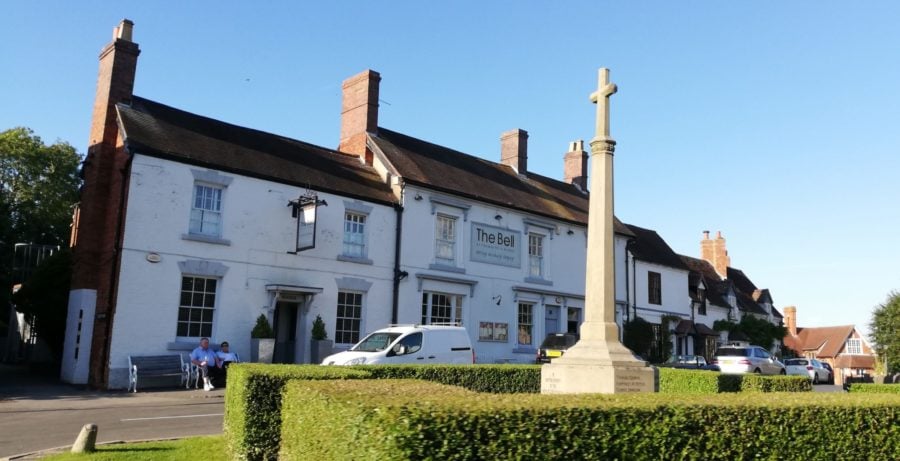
x=575 y=163
x=790 y=318
x=514 y=150
x=714 y=252
x=359 y=113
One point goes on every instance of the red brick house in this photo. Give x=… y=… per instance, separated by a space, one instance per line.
x=843 y=347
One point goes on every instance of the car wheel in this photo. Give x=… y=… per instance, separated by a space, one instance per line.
x=782 y=372
x=816 y=378
x=757 y=371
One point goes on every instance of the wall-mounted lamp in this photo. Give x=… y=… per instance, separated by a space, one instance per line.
x=497 y=299
x=498 y=217
x=417 y=197
x=570 y=232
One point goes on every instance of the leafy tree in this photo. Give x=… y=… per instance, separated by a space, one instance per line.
x=885 y=328
x=759 y=331
x=38 y=187
x=44 y=299
x=637 y=335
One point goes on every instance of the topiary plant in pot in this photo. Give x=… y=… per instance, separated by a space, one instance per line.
x=320 y=345
x=262 y=341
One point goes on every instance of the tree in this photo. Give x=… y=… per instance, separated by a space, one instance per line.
x=885 y=332
x=38 y=188
x=759 y=331
x=44 y=299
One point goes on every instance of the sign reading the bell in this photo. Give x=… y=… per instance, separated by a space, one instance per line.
x=306 y=224
x=496 y=245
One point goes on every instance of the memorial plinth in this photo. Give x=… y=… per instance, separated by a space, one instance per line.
x=599 y=363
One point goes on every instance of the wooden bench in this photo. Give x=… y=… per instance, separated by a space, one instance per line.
x=157 y=366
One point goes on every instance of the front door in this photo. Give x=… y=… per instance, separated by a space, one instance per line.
x=551 y=320
x=285 y=332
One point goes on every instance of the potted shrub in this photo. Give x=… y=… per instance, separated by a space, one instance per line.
x=320 y=346
x=262 y=341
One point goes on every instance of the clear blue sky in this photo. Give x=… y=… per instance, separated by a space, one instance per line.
x=777 y=123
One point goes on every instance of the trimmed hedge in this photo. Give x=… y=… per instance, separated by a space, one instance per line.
x=253 y=404
x=867 y=388
x=407 y=419
x=493 y=379
x=680 y=381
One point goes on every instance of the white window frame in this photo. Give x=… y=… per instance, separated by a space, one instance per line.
x=202 y=307
x=854 y=346
x=452 y=242
x=536 y=260
x=355 y=225
x=525 y=323
x=456 y=307
x=211 y=206
x=339 y=333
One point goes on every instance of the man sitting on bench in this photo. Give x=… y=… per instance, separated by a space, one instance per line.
x=206 y=361
x=224 y=358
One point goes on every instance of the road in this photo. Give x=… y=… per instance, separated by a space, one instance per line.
x=40 y=415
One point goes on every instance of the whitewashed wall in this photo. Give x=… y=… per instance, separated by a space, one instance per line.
x=258 y=224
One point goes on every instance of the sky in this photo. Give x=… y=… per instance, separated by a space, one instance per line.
x=776 y=123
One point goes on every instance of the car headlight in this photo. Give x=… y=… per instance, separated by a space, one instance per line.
x=356 y=361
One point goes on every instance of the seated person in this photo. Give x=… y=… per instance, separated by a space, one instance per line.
x=206 y=360
x=224 y=358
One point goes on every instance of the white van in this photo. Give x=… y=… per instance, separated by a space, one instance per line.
x=423 y=344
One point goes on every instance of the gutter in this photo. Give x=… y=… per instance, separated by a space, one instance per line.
x=398 y=274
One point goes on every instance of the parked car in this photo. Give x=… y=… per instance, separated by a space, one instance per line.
x=827 y=366
x=424 y=344
x=691 y=362
x=810 y=368
x=555 y=345
x=748 y=359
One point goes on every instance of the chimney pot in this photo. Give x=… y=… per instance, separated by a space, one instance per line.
x=123 y=31
x=706 y=235
x=514 y=150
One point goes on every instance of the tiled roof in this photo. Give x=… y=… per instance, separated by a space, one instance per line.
x=443 y=169
x=158 y=130
x=715 y=288
x=827 y=341
x=855 y=361
x=688 y=327
x=648 y=246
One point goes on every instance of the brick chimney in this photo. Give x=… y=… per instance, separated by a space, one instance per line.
x=101 y=207
x=714 y=252
x=359 y=113
x=575 y=164
x=790 y=319
x=514 y=150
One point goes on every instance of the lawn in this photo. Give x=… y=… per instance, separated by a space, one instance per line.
x=210 y=448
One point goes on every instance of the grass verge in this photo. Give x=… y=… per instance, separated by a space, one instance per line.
x=210 y=448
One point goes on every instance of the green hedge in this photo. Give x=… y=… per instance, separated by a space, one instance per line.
x=253 y=404
x=867 y=388
x=408 y=419
x=494 y=379
x=680 y=381
x=757 y=383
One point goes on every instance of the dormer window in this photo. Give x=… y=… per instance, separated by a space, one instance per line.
x=854 y=346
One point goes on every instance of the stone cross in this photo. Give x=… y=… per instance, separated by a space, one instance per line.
x=605 y=89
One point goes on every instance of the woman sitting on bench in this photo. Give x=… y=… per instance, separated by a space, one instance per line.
x=224 y=358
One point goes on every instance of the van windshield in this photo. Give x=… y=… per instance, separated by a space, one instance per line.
x=375 y=342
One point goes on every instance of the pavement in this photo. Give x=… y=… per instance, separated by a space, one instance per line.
x=38 y=412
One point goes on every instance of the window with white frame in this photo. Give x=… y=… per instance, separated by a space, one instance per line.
x=349 y=315
x=526 y=324
x=854 y=346
x=536 y=255
x=195 y=311
x=442 y=308
x=355 y=235
x=654 y=287
x=206 y=211
x=445 y=240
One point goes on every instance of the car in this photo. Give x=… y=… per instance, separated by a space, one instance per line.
x=555 y=345
x=691 y=362
x=827 y=366
x=748 y=359
x=810 y=368
x=420 y=344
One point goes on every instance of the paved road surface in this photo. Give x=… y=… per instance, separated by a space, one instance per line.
x=37 y=414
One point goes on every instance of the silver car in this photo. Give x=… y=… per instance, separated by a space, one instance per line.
x=748 y=359
x=811 y=368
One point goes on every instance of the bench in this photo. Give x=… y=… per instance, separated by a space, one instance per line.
x=157 y=366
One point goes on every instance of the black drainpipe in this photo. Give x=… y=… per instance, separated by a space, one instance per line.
x=627 y=291
x=398 y=274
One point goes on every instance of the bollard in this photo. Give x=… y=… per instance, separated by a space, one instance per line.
x=86 y=439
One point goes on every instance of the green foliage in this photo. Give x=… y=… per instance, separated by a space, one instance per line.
x=44 y=298
x=760 y=331
x=318 y=329
x=678 y=381
x=757 y=383
x=402 y=419
x=262 y=329
x=253 y=404
x=638 y=336
x=885 y=328
x=868 y=388
x=494 y=379
x=212 y=448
